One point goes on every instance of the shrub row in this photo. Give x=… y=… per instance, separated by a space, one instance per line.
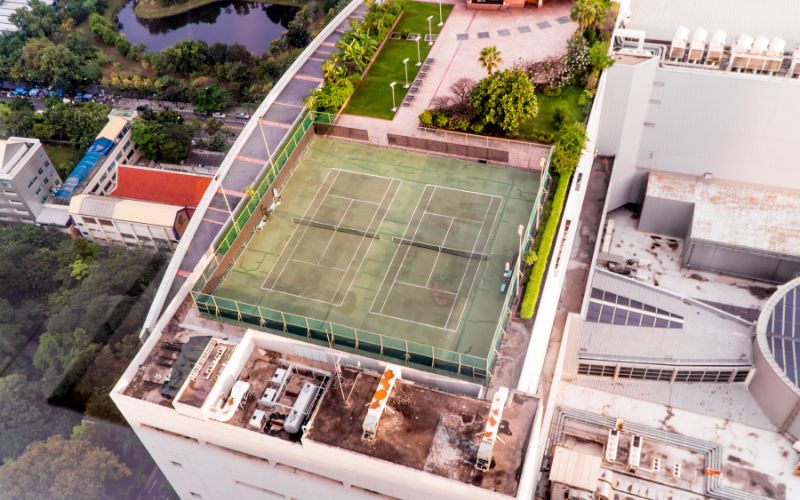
x=356 y=49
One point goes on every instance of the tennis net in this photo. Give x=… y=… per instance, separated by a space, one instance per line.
x=451 y=251
x=359 y=232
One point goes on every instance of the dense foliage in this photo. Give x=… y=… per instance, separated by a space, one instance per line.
x=505 y=100
x=162 y=136
x=73 y=122
x=356 y=49
x=80 y=307
x=65 y=469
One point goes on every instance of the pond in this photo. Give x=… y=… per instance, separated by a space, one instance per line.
x=253 y=25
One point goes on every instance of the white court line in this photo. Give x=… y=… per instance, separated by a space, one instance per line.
x=398 y=282
x=333 y=233
x=485 y=243
x=416 y=322
x=297 y=228
x=438 y=254
x=355 y=199
x=408 y=247
x=316 y=265
x=371 y=240
x=405 y=233
x=491 y=199
x=456 y=218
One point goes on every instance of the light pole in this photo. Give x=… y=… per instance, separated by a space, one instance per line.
x=405 y=64
x=394 y=105
x=419 y=59
x=441 y=19
x=430 y=30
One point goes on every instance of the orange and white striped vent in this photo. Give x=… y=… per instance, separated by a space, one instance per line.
x=379 y=401
x=486 y=447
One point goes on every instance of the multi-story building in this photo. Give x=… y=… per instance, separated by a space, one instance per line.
x=108 y=220
x=27 y=179
x=95 y=173
x=142 y=206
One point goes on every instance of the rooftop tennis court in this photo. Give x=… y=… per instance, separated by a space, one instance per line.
x=401 y=245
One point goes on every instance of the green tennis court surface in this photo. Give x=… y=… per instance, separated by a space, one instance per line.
x=402 y=245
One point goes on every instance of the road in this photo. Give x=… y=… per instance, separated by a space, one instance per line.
x=185 y=109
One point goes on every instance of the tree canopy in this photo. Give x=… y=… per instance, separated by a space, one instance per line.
x=60 y=468
x=21 y=418
x=505 y=99
x=162 y=136
x=569 y=144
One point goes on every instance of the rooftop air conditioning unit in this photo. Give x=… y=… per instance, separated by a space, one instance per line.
x=698 y=45
x=716 y=47
x=679 y=42
x=740 y=53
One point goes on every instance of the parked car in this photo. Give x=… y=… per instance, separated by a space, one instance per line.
x=242 y=115
x=218 y=115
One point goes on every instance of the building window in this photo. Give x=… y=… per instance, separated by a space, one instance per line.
x=37 y=192
x=741 y=375
x=195 y=495
x=32 y=181
x=41 y=171
x=649 y=124
x=176 y=464
x=105 y=222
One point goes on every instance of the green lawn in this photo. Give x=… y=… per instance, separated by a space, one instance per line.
x=64 y=158
x=547 y=106
x=373 y=97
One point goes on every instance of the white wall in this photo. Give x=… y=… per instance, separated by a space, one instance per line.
x=737 y=126
x=215 y=458
x=625 y=106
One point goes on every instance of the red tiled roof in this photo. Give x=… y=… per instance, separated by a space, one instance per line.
x=161 y=186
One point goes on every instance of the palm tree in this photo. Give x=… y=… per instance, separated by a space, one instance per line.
x=490 y=58
x=588 y=12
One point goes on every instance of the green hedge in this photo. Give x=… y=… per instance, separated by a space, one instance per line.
x=545 y=243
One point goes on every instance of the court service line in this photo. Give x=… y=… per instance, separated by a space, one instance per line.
x=297 y=228
x=416 y=322
x=408 y=247
x=316 y=265
x=405 y=233
x=305 y=230
x=466 y=269
x=371 y=240
x=356 y=199
x=474 y=221
x=333 y=233
x=438 y=253
x=398 y=282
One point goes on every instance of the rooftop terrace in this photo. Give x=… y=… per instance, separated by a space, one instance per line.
x=427 y=429
x=395 y=254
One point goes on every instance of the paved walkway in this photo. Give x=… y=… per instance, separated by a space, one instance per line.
x=273 y=127
x=519 y=34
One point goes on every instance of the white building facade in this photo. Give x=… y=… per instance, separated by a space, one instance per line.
x=27 y=179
